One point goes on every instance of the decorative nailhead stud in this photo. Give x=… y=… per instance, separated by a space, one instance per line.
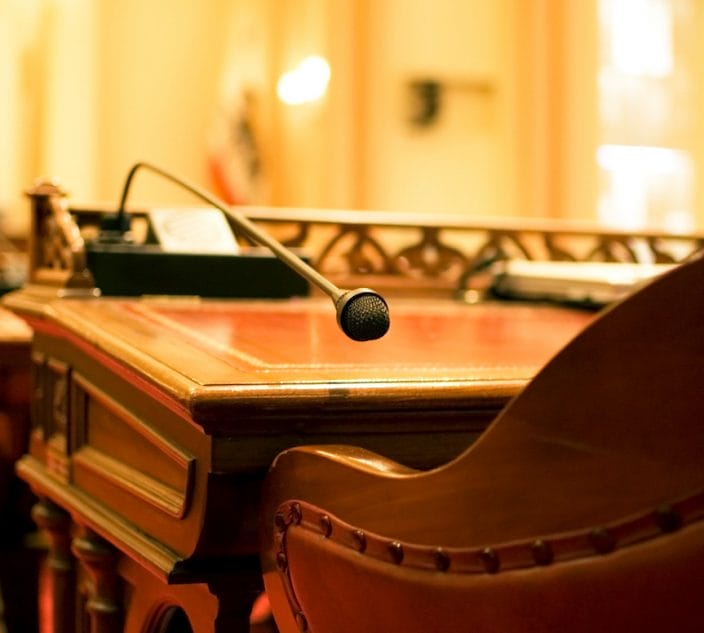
x=396 y=552
x=360 y=540
x=281 y=561
x=542 y=552
x=602 y=540
x=490 y=560
x=668 y=520
x=326 y=525
x=280 y=522
x=296 y=513
x=441 y=559
x=301 y=621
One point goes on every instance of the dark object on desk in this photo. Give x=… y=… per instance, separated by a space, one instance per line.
x=580 y=509
x=582 y=284
x=131 y=270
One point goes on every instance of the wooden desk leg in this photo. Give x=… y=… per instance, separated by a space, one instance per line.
x=20 y=552
x=103 y=600
x=57 y=596
x=236 y=595
x=223 y=605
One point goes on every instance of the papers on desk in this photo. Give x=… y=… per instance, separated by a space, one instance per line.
x=197 y=230
x=584 y=283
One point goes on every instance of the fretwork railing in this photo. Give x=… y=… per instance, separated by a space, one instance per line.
x=429 y=253
x=444 y=252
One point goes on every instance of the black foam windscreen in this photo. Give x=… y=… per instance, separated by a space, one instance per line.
x=363 y=315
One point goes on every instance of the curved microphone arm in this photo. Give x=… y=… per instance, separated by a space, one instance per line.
x=362 y=314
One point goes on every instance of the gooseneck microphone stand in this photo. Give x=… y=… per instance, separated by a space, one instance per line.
x=362 y=314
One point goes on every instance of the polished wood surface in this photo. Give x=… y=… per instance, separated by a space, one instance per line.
x=157 y=418
x=580 y=509
x=226 y=346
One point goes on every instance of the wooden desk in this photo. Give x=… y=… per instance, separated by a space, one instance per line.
x=17 y=562
x=155 y=421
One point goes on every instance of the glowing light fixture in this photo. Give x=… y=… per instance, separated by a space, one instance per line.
x=306 y=83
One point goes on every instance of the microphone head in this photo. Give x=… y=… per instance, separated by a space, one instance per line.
x=362 y=314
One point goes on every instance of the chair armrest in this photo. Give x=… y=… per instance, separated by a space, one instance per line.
x=337 y=477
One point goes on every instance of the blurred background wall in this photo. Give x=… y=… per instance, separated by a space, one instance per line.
x=543 y=108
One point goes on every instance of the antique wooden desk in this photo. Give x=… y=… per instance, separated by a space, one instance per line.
x=155 y=419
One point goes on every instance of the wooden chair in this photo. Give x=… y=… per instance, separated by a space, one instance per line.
x=580 y=509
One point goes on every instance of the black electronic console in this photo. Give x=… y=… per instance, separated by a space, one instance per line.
x=128 y=270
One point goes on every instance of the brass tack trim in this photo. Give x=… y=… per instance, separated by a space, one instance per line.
x=280 y=522
x=441 y=559
x=490 y=560
x=542 y=552
x=548 y=550
x=396 y=552
x=326 y=525
x=668 y=519
x=602 y=540
x=360 y=540
x=301 y=621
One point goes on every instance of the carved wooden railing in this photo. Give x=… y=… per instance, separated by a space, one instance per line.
x=446 y=252
x=429 y=253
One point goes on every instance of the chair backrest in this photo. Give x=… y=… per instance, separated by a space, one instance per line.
x=579 y=509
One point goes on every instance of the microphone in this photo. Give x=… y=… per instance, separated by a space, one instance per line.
x=362 y=314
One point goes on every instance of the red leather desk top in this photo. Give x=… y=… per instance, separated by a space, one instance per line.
x=245 y=339
x=266 y=343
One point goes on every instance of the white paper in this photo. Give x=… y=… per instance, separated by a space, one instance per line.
x=193 y=230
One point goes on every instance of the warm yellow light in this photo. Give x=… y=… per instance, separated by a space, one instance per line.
x=646 y=185
x=306 y=83
x=641 y=36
